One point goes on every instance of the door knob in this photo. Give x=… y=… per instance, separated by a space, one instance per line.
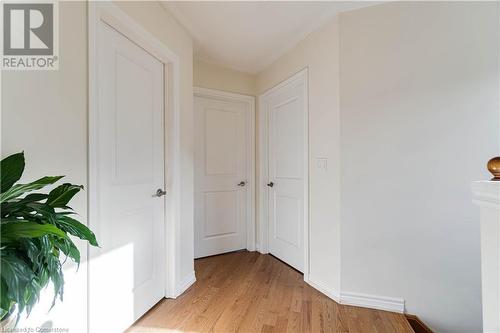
x=242 y=183
x=271 y=184
x=160 y=192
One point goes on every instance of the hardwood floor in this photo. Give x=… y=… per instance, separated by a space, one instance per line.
x=251 y=292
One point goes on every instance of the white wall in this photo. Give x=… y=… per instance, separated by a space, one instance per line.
x=44 y=113
x=419 y=119
x=207 y=75
x=319 y=53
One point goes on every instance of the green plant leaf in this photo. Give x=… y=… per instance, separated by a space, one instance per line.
x=43 y=276
x=9 y=220
x=68 y=248
x=75 y=228
x=17 y=274
x=12 y=168
x=34 y=197
x=15 y=230
x=32 y=294
x=16 y=206
x=61 y=195
x=34 y=233
x=34 y=252
x=19 y=189
x=5 y=301
x=56 y=276
x=43 y=211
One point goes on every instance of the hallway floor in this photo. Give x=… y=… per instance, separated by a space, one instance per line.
x=251 y=292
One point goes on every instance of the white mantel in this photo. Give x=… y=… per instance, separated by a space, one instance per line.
x=486 y=194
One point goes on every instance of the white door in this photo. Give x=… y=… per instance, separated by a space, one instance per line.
x=287 y=160
x=221 y=181
x=127 y=272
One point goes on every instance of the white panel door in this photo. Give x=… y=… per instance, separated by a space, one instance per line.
x=127 y=272
x=220 y=176
x=287 y=162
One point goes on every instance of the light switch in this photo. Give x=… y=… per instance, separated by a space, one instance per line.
x=322 y=163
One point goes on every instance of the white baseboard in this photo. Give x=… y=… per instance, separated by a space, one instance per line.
x=323 y=288
x=373 y=302
x=357 y=299
x=259 y=249
x=183 y=285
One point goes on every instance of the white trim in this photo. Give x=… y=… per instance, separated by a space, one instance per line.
x=223 y=95
x=185 y=283
x=263 y=178
x=486 y=193
x=385 y=303
x=373 y=302
x=113 y=16
x=301 y=76
x=250 y=149
x=323 y=288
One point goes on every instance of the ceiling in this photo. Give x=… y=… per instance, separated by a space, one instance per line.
x=249 y=35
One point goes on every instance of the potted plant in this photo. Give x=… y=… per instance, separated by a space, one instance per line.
x=35 y=239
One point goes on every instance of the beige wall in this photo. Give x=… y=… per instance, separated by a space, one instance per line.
x=403 y=101
x=44 y=113
x=207 y=75
x=419 y=120
x=319 y=53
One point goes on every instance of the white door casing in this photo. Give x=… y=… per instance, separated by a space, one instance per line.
x=224 y=167
x=129 y=266
x=284 y=172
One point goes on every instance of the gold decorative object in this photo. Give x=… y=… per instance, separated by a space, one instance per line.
x=494 y=168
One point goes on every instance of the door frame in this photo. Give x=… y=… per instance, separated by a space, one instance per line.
x=249 y=101
x=263 y=245
x=113 y=16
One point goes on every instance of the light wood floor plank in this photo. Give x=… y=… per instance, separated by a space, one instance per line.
x=251 y=292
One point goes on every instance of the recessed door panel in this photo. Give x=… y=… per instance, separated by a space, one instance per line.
x=287 y=218
x=287 y=131
x=221 y=213
x=221 y=142
x=133 y=115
